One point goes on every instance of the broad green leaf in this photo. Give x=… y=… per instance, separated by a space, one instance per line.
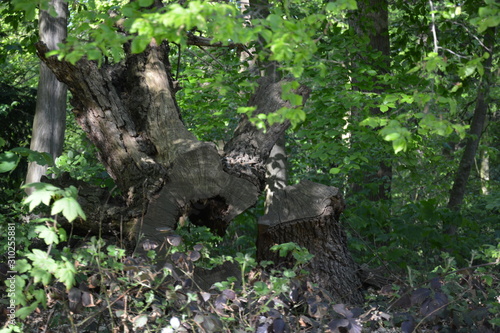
x=66 y=273
x=24 y=312
x=63 y=236
x=43 y=194
x=69 y=207
x=22 y=266
x=20 y=286
x=399 y=144
x=295 y=100
x=41 y=259
x=40 y=296
x=94 y=54
x=374 y=122
x=29 y=7
x=47 y=234
x=340 y=5
x=467 y=70
x=480 y=69
x=334 y=171
x=8 y=161
x=246 y=109
x=392 y=136
x=41 y=275
x=140 y=43
x=145 y=3
x=456 y=86
x=74 y=56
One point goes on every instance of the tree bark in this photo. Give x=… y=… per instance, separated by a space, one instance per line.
x=50 y=114
x=457 y=191
x=371 y=20
x=308 y=214
x=129 y=112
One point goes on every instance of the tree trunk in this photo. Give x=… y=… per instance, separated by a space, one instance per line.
x=308 y=214
x=371 y=20
x=457 y=192
x=50 y=114
x=129 y=112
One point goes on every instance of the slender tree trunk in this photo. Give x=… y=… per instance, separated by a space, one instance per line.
x=50 y=115
x=457 y=192
x=371 y=20
x=484 y=173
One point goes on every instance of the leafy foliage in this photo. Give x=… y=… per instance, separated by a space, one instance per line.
x=411 y=111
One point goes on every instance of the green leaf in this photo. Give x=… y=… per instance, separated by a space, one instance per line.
x=8 y=161
x=22 y=266
x=47 y=234
x=74 y=56
x=69 y=207
x=140 y=43
x=374 y=122
x=340 y=5
x=40 y=158
x=63 y=236
x=66 y=273
x=294 y=99
x=145 y=3
x=24 y=312
x=334 y=171
x=41 y=275
x=94 y=54
x=40 y=296
x=43 y=194
x=248 y=110
x=41 y=259
x=392 y=136
x=399 y=144
x=28 y=6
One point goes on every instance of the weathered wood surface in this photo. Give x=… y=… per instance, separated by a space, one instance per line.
x=308 y=214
